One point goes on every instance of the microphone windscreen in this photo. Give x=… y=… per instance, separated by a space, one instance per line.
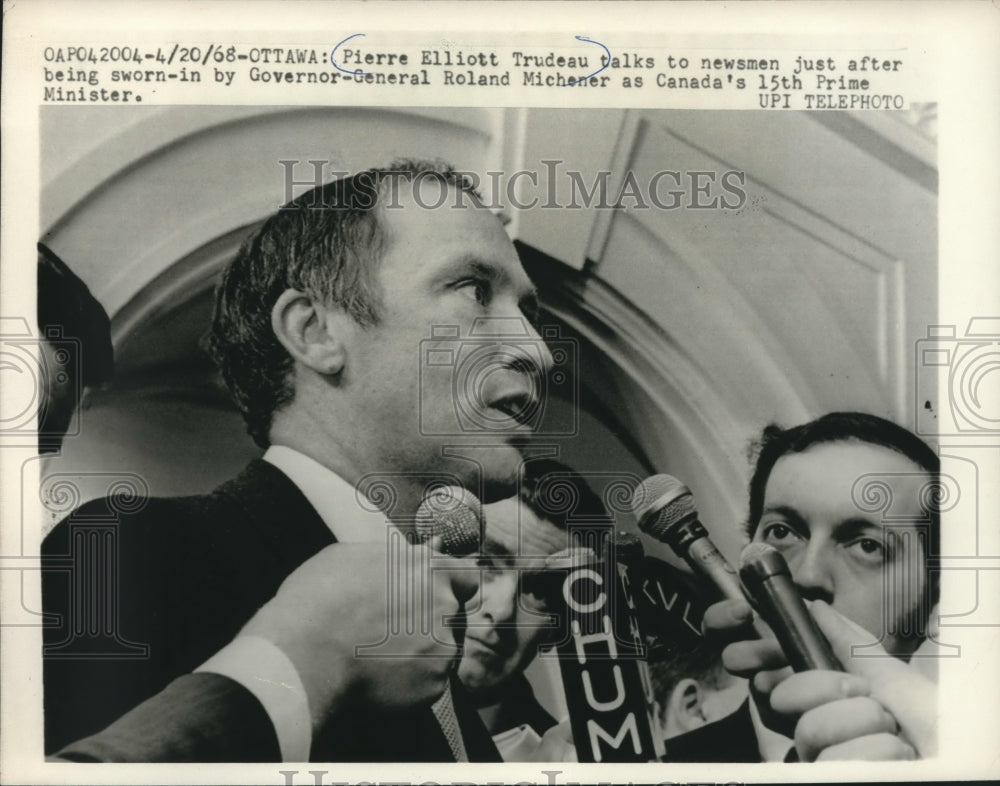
x=769 y=583
x=454 y=516
x=759 y=561
x=659 y=502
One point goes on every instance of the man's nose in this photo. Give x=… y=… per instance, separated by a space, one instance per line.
x=811 y=571
x=530 y=353
x=530 y=358
x=500 y=599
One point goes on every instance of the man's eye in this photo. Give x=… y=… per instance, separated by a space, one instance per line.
x=868 y=549
x=779 y=534
x=475 y=289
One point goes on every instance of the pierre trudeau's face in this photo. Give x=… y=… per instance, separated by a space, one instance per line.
x=445 y=268
x=870 y=572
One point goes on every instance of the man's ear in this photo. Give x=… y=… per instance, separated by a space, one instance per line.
x=684 y=711
x=310 y=331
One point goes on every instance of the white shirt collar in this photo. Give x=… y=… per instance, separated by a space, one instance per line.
x=348 y=515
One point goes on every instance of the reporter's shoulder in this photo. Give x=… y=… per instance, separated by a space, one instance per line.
x=130 y=516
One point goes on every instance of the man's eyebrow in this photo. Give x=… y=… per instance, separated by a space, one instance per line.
x=791 y=516
x=849 y=528
x=486 y=269
x=476 y=265
x=472 y=264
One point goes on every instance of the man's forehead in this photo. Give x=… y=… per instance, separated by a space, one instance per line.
x=513 y=529
x=424 y=237
x=847 y=460
x=845 y=475
x=422 y=207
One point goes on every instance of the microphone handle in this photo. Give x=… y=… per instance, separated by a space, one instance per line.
x=804 y=644
x=689 y=540
x=706 y=560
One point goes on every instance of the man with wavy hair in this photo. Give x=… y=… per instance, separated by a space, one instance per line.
x=321 y=325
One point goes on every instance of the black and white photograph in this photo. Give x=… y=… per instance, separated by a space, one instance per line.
x=535 y=438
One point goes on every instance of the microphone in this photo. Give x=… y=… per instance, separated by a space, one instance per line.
x=769 y=583
x=665 y=509
x=452 y=517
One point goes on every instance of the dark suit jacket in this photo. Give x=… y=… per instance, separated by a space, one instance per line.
x=519 y=706
x=198 y=717
x=729 y=739
x=184 y=575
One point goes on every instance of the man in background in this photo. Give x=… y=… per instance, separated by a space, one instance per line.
x=509 y=619
x=692 y=689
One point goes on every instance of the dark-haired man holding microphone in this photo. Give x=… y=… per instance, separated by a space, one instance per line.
x=807 y=501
